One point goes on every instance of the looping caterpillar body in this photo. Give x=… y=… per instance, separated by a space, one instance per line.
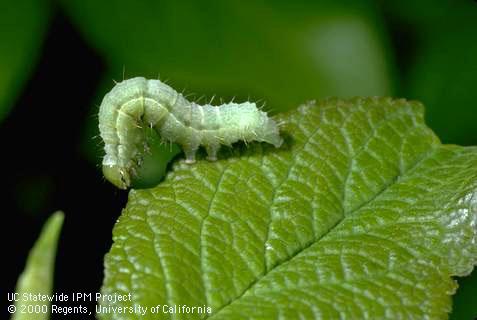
x=138 y=102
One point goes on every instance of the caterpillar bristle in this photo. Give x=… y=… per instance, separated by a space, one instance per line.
x=212 y=99
x=188 y=95
x=97 y=138
x=199 y=99
x=264 y=108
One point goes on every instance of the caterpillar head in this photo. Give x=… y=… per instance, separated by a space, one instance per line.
x=116 y=175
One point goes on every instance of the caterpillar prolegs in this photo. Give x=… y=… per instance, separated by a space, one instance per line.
x=138 y=102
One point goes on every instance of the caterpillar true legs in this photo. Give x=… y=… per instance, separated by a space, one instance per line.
x=136 y=103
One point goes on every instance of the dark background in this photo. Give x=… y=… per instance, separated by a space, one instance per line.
x=256 y=49
x=45 y=171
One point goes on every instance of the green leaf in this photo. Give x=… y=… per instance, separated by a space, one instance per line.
x=37 y=278
x=362 y=214
x=23 y=24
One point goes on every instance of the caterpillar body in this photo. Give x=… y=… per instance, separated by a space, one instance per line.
x=138 y=102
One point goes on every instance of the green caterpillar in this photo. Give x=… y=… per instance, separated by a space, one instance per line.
x=138 y=102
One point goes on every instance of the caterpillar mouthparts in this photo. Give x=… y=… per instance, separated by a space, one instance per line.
x=136 y=103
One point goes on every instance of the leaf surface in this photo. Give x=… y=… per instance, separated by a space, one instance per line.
x=363 y=213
